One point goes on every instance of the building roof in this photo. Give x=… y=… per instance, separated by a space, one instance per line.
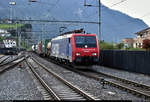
x=3 y=31
x=127 y=38
x=142 y=31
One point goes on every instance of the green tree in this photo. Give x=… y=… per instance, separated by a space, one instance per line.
x=12 y=32
x=120 y=46
x=2 y=38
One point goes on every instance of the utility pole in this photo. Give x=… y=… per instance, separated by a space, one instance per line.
x=42 y=32
x=30 y=1
x=99 y=10
x=99 y=17
x=17 y=33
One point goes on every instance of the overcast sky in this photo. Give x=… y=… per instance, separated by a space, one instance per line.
x=135 y=8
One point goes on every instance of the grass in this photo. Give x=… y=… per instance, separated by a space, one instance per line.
x=136 y=49
x=8 y=26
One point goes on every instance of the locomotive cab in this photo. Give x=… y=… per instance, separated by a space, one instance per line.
x=86 y=49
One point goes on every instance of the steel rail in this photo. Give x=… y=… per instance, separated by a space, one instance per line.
x=11 y=65
x=43 y=83
x=2 y=56
x=126 y=80
x=121 y=83
x=4 y=60
x=66 y=82
x=11 y=61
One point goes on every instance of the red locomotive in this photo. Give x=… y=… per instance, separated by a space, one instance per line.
x=75 y=48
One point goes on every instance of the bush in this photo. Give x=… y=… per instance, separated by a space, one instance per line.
x=106 y=45
x=146 y=44
x=119 y=46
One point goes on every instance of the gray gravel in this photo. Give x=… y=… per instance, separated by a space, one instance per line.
x=141 y=78
x=90 y=85
x=17 y=84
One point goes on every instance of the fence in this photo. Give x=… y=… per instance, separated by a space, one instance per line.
x=135 y=61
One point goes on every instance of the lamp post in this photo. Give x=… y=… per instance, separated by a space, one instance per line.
x=12 y=3
x=99 y=15
x=30 y=1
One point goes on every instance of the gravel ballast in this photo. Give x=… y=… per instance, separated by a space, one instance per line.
x=90 y=85
x=140 y=78
x=17 y=84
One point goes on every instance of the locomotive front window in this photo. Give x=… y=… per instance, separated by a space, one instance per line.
x=82 y=41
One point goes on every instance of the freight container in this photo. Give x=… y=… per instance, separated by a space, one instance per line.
x=44 y=46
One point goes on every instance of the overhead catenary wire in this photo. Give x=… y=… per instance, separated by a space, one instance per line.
x=118 y=3
x=57 y=21
x=145 y=15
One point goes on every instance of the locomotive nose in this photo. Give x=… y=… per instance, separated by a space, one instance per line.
x=87 y=56
x=89 y=52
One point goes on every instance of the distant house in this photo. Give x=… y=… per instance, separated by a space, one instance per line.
x=138 y=41
x=8 y=21
x=128 y=42
x=141 y=35
x=4 y=33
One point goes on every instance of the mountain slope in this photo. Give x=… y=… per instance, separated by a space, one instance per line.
x=114 y=24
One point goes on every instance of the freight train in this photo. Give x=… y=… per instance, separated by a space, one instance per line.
x=73 y=48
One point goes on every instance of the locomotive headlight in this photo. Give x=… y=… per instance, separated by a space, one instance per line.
x=77 y=54
x=94 y=54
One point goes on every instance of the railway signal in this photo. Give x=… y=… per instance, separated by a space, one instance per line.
x=102 y=81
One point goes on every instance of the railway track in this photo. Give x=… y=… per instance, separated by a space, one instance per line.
x=62 y=89
x=3 y=59
x=1 y=56
x=11 y=60
x=12 y=64
x=133 y=87
x=141 y=90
